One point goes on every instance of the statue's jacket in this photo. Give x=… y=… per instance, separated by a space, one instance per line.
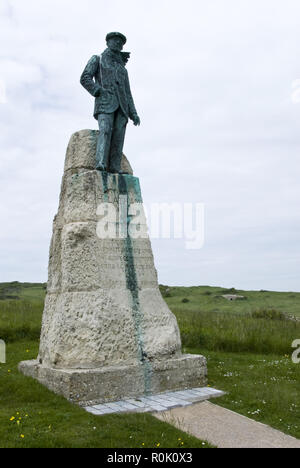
x=107 y=75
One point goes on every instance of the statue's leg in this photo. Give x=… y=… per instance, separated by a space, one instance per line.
x=117 y=141
x=106 y=122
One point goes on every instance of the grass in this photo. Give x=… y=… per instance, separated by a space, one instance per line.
x=259 y=386
x=228 y=332
x=209 y=299
x=48 y=420
x=247 y=343
x=16 y=290
x=256 y=325
x=20 y=319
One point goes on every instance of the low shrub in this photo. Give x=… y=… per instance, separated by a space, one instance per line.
x=229 y=291
x=269 y=314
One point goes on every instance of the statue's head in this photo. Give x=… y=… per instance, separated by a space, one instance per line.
x=115 y=41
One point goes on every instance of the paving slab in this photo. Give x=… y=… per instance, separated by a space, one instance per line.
x=224 y=428
x=156 y=403
x=137 y=403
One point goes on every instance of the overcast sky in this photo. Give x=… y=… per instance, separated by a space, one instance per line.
x=215 y=84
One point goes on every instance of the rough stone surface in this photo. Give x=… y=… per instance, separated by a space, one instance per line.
x=107 y=332
x=81 y=152
x=112 y=383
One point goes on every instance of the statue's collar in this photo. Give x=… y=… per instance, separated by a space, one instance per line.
x=116 y=56
x=119 y=57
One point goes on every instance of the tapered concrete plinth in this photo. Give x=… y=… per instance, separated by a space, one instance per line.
x=94 y=386
x=107 y=333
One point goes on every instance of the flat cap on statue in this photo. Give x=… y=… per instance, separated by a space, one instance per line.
x=116 y=34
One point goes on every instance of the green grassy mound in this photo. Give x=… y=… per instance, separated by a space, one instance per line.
x=247 y=342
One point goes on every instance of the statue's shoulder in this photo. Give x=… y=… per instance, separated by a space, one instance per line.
x=92 y=64
x=95 y=58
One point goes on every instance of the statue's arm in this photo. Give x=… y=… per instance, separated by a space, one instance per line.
x=133 y=115
x=87 y=77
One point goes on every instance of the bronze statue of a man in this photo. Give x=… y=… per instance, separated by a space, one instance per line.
x=106 y=78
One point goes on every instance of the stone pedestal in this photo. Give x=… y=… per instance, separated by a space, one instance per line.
x=107 y=333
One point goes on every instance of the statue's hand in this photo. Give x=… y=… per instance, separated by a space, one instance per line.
x=136 y=120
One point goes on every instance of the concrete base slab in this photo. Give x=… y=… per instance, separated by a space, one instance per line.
x=109 y=384
x=225 y=428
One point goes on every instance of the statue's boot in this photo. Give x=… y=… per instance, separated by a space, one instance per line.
x=101 y=167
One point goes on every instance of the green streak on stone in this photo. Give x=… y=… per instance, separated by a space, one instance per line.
x=133 y=185
x=104 y=176
x=126 y=184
